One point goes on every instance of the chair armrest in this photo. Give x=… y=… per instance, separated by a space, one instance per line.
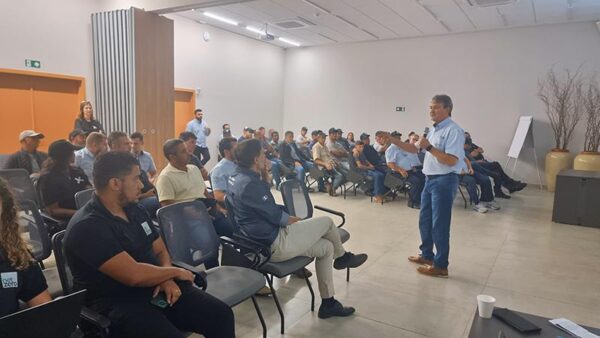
x=333 y=212
x=46 y=216
x=95 y=319
x=245 y=244
x=200 y=275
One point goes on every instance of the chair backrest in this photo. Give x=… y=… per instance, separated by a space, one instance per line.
x=82 y=197
x=296 y=199
x=64 y=272
x=316 y=172
x=34 y=230
x=188 y=232
x=19 y=181
x=3 y=159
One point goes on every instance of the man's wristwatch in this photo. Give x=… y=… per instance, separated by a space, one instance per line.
x=429 y=147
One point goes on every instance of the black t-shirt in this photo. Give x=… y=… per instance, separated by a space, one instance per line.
x=371 y=155
x=94 y=236
x=61 y=187
x=18 y=285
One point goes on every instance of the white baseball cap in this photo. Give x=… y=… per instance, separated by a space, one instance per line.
x=29 y=133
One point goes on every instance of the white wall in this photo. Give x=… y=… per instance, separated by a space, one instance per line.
x=491 y=76
x=57 y=33
x=240 y=79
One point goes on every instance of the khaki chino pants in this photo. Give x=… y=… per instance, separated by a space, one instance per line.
x=314 y=237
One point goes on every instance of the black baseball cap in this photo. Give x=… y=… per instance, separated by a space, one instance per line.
x=332 y=130
x=75 y=133
x=364 y=136
x=248 y=129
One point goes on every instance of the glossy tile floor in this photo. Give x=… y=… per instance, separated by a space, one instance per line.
x=516 y=255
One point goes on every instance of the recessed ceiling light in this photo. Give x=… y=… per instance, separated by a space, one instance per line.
x=256 y=30
x=293 y=43
x=220 y=18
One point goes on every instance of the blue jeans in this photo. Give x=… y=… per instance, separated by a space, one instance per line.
x=487 y=195
x=276 y=172
x=378 y=187
x=435 y=216
x=471 y=184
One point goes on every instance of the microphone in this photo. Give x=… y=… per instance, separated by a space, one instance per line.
x=425 y=132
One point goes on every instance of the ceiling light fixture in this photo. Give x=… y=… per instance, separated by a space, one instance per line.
x=312 y=4
x=293 y=43
x=256 y=30
x=220 y=18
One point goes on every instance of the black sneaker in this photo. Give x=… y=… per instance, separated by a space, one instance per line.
x=349 y=260
x=501 y=194
x=517 y=187
x=335 y=310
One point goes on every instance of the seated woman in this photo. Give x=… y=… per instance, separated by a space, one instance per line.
x=85 y=119
x=59 y=181
x=22 y=278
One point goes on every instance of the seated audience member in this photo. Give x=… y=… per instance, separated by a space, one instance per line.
x=271 y=155
x=95 y=145
x=337 y=150
x=221 y=172
x=469 y=178
x=22 y=278
x=28 y=158
x=288 y=236
x=115 y=253
x=350 y=140
x=403 y=164
x=85 y=119
x=247 y=133
x=59 y=181
x=269 y=133
x=270 y=152
x=343 y=141
x=302 y=140
x=492 y=169
x=189 y=140
x=381 y=144
x=77 y=139
x=119 y=141
x=323 y=158
x=182 y=182
x=314 y=138
x=274 y=141
x=364 y=165
x=226 y=131
x=371 y=154
x=412 y=139
x=144 y=157
x=293 y=158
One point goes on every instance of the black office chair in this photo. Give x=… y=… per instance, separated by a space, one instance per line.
x=395 y=183
x=91 y=323
x=82 y=197
x=23 y=188
x=297 y=201
x=243 y=251
x=357 y=179
x=313 y=176
x=36 y=234
x=191 y=239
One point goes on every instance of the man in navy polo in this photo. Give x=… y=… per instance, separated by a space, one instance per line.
x=442 y=166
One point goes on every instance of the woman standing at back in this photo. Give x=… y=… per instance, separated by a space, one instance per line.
x=21 y=277
x=85 y=119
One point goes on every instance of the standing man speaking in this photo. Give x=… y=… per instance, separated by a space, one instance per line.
x=201 y=130
x=444 y=146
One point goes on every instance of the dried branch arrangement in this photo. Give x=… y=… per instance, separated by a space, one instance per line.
x=591 y=104
x=563 y=101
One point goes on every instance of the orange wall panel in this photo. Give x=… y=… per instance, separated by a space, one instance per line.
x=15 y=110
x=185 y=103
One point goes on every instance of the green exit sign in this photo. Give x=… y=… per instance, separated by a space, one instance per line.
x=400 y=108
x=33 y=63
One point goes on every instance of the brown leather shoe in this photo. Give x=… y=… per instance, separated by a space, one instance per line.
x=420 y=260
x=432 y=271
x=265 y=291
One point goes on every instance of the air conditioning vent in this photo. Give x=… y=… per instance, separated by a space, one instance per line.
x=490 y=3
x=294 y=23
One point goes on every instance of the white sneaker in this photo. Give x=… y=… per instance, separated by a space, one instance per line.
x=480 y=208
x=492 y=205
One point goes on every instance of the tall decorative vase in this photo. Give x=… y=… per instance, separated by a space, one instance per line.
x=556 y=161
x=587 y=160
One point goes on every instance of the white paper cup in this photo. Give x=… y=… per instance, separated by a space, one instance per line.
x=485 y=305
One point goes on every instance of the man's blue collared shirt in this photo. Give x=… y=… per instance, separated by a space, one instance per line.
x=448 y=137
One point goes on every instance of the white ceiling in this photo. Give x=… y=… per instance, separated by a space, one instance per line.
x=370 y=20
